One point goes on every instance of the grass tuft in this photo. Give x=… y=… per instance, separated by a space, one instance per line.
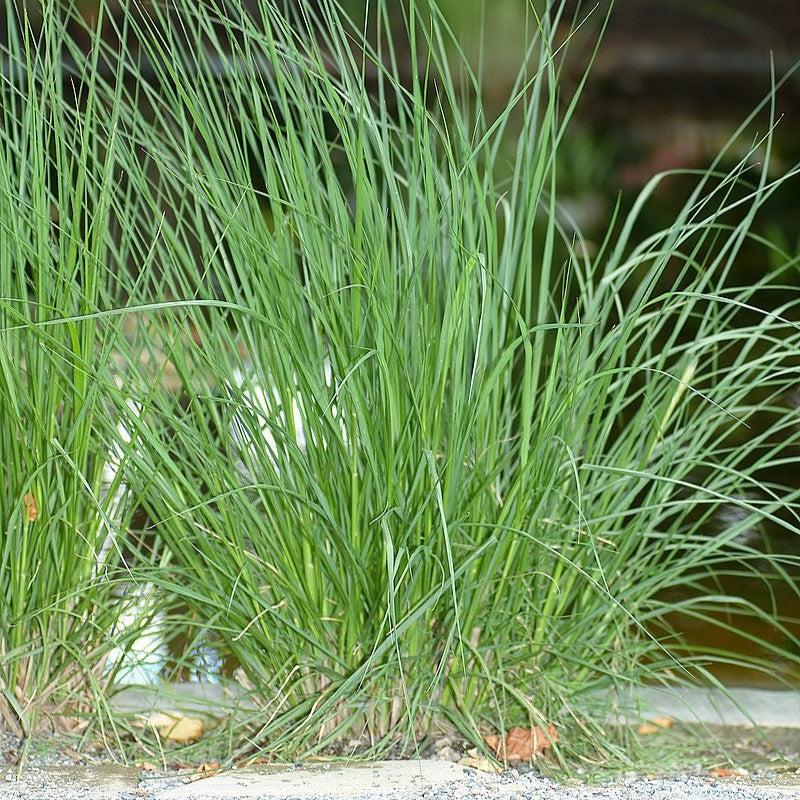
x=414 y=459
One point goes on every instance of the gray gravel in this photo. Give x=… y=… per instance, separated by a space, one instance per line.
x=388 y=781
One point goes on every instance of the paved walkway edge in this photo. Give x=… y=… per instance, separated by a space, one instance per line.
x=712 y=706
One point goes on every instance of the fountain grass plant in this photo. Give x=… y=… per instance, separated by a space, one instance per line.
x=419 y=459
x=63 y=509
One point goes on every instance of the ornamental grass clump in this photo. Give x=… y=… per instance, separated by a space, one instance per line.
x=63 y=504
x=416 y=458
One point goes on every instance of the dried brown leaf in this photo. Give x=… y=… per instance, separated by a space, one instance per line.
x=183 y=731
x=29 y=504
x=647 y=729
x=157 y=719
x=655 y=725
x=726 y=772
x=522 y=744
x=519 y=744
x=544 y=739
x=663 y=722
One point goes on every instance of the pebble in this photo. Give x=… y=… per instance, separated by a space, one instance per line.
x=448 y=754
